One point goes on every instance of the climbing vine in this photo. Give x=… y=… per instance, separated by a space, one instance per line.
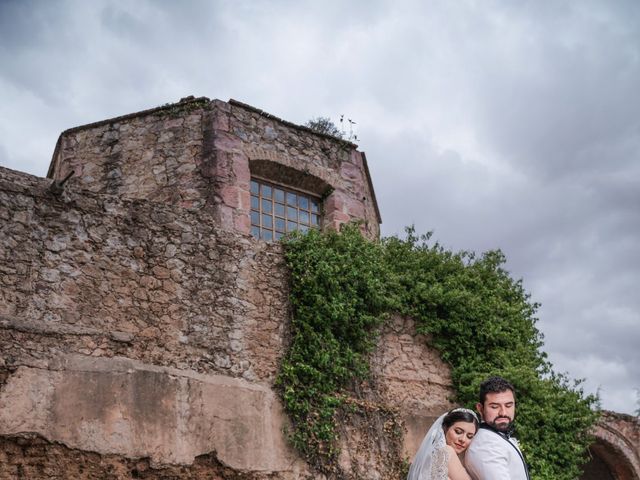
x=339 y=298
x=480 y=319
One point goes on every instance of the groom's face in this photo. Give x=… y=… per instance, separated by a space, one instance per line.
x=498 y=410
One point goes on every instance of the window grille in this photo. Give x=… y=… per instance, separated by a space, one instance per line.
x=276 y=210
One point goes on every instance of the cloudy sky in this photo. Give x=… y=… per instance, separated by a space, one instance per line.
x=496 y=124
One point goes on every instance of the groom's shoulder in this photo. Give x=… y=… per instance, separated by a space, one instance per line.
x=484 y=436
x=482 y=445
x=484 y=433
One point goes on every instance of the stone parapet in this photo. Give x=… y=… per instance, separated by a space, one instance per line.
x=200 y=154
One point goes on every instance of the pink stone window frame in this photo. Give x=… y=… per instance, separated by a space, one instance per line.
x=277 y=210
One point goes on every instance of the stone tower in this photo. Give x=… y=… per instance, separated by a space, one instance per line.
x=202 y=154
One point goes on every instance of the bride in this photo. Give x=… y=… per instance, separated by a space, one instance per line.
x=448 y=437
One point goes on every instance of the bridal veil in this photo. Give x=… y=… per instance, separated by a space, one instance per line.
x=431 y=462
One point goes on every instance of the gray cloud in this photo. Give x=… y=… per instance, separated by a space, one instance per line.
x=498 y=125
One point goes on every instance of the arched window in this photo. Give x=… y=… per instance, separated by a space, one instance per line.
x=276 y=210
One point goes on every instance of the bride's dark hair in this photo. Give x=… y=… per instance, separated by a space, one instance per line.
x=459 y=415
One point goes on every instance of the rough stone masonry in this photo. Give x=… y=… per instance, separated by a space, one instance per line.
x=141 y=325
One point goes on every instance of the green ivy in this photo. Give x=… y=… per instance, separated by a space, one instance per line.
x=479 y=318
x=339 y=296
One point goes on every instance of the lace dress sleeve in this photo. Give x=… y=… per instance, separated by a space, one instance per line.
x=439 y=465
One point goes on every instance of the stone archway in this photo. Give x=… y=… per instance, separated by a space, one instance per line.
x=596 y=468
x=614 y=454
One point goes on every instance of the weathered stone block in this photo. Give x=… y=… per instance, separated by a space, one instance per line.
x=118 y=406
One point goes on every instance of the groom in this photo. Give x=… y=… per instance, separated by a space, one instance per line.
x=494 y=454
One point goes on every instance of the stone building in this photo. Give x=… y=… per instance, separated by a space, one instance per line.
x=144 y=306
x=144 y=303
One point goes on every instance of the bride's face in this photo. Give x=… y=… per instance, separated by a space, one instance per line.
x=459 y=435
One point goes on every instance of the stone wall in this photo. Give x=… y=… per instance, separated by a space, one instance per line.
x=33 y=457
x=95 y=275
x=141 y=328
x=151 y=155
x=413 y=378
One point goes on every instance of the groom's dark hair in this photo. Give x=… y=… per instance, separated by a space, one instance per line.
x=495 y=385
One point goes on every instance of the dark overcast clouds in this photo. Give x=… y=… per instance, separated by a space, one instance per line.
x=496 y=124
